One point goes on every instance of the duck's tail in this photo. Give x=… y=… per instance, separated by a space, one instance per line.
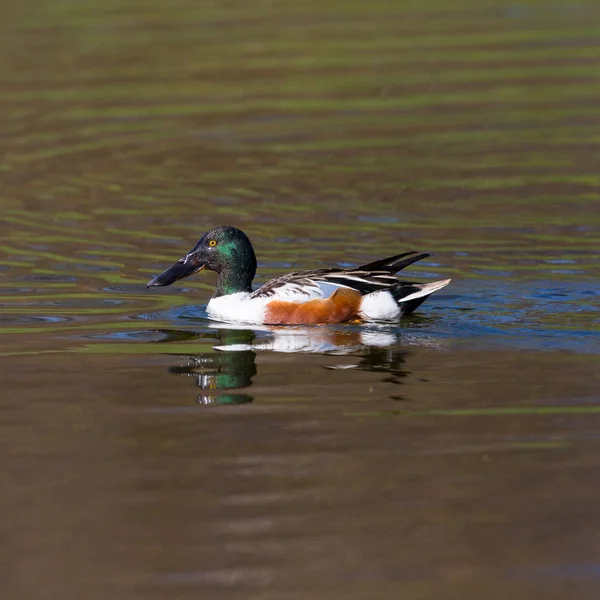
x=410 y=296
x=393 y=264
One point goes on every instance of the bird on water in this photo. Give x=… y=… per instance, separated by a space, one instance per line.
x=371 y=292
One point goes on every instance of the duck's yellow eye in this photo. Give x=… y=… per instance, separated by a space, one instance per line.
x=212 y=243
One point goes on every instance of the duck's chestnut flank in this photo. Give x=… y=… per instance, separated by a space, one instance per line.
x=342 y=305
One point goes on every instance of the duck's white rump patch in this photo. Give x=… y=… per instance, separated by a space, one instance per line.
x=379 y=306
x=382 y=306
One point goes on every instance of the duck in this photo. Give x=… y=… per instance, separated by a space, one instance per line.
x=370 y=292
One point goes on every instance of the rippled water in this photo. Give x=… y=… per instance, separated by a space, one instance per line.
x=147 y=452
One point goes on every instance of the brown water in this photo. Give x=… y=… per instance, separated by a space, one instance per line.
x=149 y=453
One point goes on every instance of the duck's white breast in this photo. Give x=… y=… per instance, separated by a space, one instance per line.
x=237 y=308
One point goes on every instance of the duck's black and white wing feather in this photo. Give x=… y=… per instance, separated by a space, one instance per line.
x=296 y=285
x=320 y=283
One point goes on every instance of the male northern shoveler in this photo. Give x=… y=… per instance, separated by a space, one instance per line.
x=371 y=292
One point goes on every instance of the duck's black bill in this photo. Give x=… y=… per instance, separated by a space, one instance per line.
x=179 y=270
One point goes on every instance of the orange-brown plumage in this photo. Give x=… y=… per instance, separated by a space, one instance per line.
x=342 y=305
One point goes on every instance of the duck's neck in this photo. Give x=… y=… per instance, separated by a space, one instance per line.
x=233 y=280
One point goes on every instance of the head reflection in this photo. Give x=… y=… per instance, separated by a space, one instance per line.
x=232 y=364
x=218 y=372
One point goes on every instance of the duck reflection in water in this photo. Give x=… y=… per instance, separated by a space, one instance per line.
x=217 y=373
x=232 y=365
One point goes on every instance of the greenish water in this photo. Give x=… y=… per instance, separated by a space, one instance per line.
x=148 y=452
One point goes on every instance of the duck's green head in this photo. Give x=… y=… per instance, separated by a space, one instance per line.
x=226 y=250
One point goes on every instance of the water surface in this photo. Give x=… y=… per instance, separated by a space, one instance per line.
x=147 y=452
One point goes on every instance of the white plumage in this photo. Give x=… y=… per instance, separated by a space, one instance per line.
x=245 y=307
